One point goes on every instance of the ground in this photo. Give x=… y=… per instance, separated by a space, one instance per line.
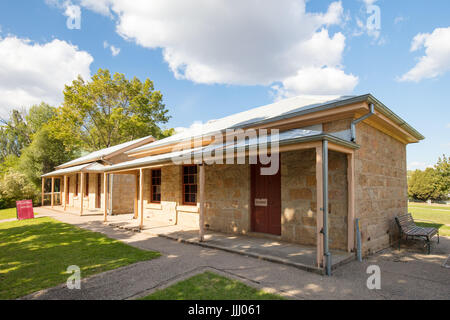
x=210 y=286
x=432 y=216
x=405 y=274
x=35 y=254
x=8 y=214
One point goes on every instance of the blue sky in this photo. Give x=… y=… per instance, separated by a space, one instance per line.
x=211 y=60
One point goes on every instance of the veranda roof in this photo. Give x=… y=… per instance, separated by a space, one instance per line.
x=100 y=154
x=285 y=138
x=89 y=167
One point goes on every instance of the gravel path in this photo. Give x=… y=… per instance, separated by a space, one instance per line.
x=405 y=274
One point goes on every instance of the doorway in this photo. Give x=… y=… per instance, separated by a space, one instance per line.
x=265 y=201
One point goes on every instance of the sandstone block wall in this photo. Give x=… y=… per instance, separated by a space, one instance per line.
x=227 y=198
x=299 y=198
x=381 y=186
x=171 y=209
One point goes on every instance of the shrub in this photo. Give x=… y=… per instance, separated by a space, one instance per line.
x=16 y=186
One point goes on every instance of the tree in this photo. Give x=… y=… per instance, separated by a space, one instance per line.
x=43 y=155
x=107 y=111
x=16 y=186
x=443 y=176
x=14 y=135
x=39 y=116
x=422 y=185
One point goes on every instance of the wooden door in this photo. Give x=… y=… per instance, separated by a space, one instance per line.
x=265 y=201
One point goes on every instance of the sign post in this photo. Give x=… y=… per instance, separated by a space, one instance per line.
x=24 y=210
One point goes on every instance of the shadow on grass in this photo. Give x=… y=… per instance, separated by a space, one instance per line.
x=429 y=224
x=35 y=254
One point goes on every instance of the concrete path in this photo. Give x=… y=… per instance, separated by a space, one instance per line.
x=405 y=274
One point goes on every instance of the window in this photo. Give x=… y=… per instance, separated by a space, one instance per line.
x=190 y=185
x=86 y=185
x=155 y=187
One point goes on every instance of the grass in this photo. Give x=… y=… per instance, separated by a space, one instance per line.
x=7 y=214
x=432 y=216
x=35 y=254
x=210 y=286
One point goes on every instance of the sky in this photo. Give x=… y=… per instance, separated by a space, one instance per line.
x=213 y=58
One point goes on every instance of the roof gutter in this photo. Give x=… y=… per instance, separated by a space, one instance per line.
x=364 y=117
x=319 y=137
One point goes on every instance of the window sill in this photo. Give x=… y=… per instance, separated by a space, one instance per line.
x=188 y=208
x=154 y=206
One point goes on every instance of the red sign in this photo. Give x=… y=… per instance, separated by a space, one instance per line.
x=24 y=209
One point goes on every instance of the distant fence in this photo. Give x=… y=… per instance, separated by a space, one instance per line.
x=432 y=202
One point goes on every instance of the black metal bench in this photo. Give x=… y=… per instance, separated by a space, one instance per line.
x=409 y=228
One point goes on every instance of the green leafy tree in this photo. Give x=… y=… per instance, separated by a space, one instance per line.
x=422 y=185
x=14 y=135
x=443 y=176
x=39 y=116
x=43 y=155
x=16 y=186
x=9 y=162
x=108 y=110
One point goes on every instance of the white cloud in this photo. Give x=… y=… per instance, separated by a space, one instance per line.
x=31 y=72
x=195 y=128
x=436 y=60
x=399 y=19
x=418 y=165
x=316 y=81
x=99 y=6
x=114 y=50
x=237 y=42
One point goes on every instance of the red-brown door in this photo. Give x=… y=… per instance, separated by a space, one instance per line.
x=265 y=201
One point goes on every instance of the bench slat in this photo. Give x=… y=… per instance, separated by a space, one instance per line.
x=409 y=227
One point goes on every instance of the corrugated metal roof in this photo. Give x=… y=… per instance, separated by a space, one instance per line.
x=88 y=167
x=277 y=111
x=66 y=170
x=97 y=155
x=287 y=137
x=245 y=118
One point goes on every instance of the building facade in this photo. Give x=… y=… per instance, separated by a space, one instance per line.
x=340 y=161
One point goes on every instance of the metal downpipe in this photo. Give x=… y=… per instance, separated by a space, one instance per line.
x=326 y=250
x=364 y=117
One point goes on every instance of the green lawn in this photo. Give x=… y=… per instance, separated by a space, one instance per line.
x=210 y=286
x=432 y=216
x=7 y=214
x=35 y=254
